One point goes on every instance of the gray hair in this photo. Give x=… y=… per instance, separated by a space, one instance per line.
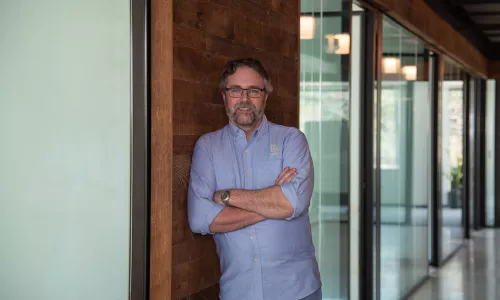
x=255 y=64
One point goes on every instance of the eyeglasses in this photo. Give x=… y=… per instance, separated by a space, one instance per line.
x=237 y=92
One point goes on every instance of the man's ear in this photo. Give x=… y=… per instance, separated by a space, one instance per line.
x=223 y=97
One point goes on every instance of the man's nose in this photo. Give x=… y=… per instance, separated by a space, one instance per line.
x=244 y=95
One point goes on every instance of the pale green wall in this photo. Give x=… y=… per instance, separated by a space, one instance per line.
x=65 y=149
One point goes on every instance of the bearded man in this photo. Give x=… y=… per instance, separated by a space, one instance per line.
x=250 y=187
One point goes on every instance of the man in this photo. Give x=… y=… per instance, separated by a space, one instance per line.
x=250 y=187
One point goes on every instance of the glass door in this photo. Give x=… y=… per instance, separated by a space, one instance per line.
x=403 y=161
x=451 y=137
x=325 y=120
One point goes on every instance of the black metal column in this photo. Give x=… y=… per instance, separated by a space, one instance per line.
x=366 y=241
x=480 y=153
x=435 y=205
x=497 y=153
x=467 y=162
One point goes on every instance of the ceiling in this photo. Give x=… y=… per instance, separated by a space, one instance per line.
x=477 y=20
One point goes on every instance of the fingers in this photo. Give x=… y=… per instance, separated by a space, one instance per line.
x=287 y=175
x=290 y=177
x=281 y=175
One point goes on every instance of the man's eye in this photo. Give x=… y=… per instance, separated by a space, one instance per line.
x=253 y=91
x=236 y=90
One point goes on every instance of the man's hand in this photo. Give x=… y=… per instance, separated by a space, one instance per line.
x=287 y=175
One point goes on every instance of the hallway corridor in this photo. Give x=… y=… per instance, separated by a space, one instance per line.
x=472 y=274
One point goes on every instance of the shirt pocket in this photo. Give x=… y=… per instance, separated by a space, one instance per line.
x=268 y=172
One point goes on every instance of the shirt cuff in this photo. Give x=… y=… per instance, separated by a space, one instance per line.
x=289 y=190
x=212 y=214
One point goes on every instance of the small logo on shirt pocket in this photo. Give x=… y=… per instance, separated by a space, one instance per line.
x=274 y=149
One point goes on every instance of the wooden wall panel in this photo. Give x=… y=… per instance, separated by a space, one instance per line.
x=207 y=33
x=494 y=69
x=418 y=17
x=161 y=149
x=190 y=42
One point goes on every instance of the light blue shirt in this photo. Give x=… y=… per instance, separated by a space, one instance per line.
x=273 y=259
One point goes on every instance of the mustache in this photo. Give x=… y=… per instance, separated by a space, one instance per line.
x=245 y=105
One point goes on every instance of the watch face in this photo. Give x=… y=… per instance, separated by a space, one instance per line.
x=225 y=198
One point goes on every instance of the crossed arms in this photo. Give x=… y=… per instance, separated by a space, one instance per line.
x=288 y=198
x=253 y=206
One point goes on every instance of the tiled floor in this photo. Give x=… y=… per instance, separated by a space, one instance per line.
x=473 y=273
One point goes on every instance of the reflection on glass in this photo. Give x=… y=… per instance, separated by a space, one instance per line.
x=452 y=131
x=405 y=118
x=324 y=118
x=490 y=152
x=471 y=139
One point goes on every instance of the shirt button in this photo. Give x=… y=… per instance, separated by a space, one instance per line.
x=246 y=150
x=248 y=171
x=251 y=237
x=256 y=259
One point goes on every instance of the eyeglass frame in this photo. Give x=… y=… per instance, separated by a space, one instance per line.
x=242 y=90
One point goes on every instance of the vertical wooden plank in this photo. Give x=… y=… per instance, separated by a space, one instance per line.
x=161 y=149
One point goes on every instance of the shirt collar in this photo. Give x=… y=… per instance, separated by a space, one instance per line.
x=263 y=128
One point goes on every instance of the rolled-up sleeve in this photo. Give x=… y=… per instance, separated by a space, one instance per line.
x=297 y=155
x=201 y=208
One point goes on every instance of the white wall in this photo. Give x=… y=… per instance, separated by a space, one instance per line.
x=65 y=149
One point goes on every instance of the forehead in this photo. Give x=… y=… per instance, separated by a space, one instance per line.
x=245 y=76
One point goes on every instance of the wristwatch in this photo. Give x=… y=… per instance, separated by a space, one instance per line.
x=225 y=197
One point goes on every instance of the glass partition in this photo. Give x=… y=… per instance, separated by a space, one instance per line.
x=405 y=157
x=324 y=118
x=452 y=149
x=490 y=152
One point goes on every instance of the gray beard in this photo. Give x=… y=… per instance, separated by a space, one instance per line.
x=248 y=122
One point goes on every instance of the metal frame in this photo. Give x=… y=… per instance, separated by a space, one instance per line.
x=379 y=54
x=140 y=157
x=435 y=205
x=480 y=91
x=468 y=140
x=478 y=207
x=497 y=154
x=366 y=220
x=346 y=26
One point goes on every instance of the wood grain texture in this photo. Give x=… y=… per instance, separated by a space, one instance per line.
x=161 y=149
x=494 y=69
x=418 y=17
x=207 y=33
